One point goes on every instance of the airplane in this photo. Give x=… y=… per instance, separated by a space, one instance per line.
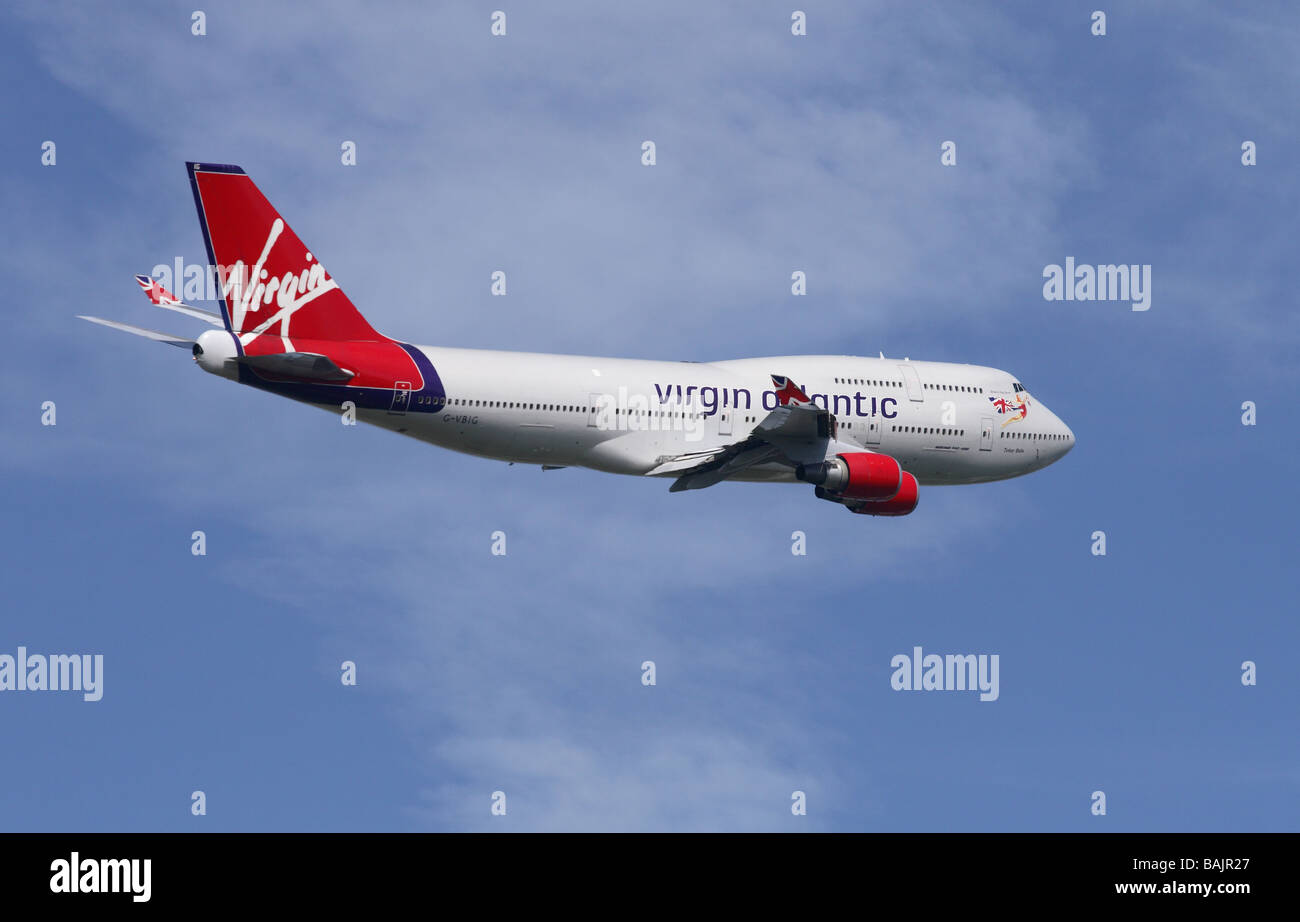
x=866 y=433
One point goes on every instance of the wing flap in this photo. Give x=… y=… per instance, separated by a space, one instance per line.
x=671 y=464
x=734 y=459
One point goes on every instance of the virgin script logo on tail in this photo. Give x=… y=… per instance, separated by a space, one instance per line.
x=248 y=290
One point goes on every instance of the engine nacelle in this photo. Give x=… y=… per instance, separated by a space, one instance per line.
x=901 y=503
x=856 y=475
x=215 y=352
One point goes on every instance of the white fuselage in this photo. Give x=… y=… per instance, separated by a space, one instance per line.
x=942 y=422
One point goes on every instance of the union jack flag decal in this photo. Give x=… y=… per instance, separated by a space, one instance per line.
x=1019 y=406
x=155 y=292
x=788 y=393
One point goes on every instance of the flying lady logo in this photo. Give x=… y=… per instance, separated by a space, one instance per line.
x=1016 y=409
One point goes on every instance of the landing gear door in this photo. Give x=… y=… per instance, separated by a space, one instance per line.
x=401 y=398
x=986 y=434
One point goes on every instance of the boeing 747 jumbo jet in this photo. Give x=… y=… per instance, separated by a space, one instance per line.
x=863 y=431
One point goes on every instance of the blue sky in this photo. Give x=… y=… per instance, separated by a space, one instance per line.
x=521 y=673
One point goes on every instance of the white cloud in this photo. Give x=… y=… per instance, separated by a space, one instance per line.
x=522 y=673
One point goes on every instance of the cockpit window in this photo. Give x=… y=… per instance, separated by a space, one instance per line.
x=1018 y=387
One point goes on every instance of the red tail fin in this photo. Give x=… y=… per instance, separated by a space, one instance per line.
x=273 y=289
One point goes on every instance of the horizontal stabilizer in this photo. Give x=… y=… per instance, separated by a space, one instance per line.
x=197 y=313
x=304 y=366
x=140 y=331
x=161 y=297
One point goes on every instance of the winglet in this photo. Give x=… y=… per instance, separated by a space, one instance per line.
x=788 y=393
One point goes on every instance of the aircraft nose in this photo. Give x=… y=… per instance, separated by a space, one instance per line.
x=1062 y=437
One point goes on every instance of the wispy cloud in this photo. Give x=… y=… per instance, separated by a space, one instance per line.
x=522 y=673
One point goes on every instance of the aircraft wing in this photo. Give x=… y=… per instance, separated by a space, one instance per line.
x=796 y=431
x=722 y=464
x=801 y=423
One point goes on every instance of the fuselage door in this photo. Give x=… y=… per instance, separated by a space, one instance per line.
x=873 y=431
x=724 y=420
x=401 y=397
x=912 y=382
x=986 y=434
